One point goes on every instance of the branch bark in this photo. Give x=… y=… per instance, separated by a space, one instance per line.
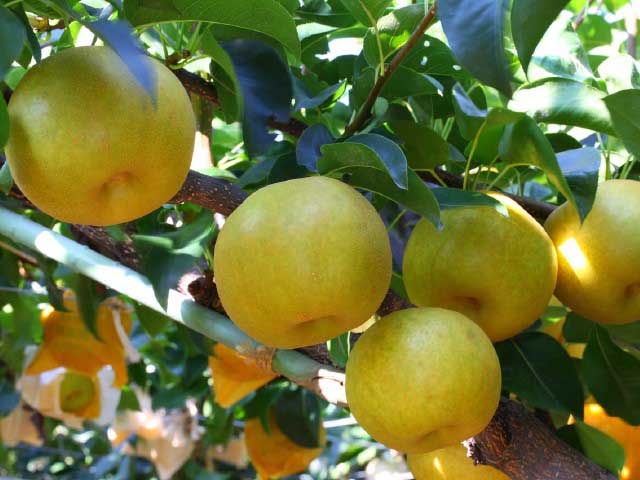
x=524 y=448
x=365 y=111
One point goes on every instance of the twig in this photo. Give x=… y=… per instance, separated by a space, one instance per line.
x=582 y=15
x=631 y=25
x=365 y=111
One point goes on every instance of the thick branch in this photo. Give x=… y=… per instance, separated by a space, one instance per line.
x=524 y=448
x=212 y=193
x=365 y=111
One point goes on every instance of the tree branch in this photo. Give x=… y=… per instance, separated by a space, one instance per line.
x=365 y=111
x=524 y=448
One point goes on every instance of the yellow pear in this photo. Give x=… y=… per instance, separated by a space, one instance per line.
x=450 y=463
x=235 y=376
x=599 y=260
x=423 y=379
x=302 y=261
x=274 y=455
x=87 y=143
x=499 y=271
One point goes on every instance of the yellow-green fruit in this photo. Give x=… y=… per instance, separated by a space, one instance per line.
x=450 y=463
x=88 y=145
x=76 y=392
x=423 y=379
x=599 y=260
x=499 y=271
x=302 y=261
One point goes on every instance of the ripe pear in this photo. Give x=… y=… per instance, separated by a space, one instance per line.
x=302 y=261
x=500 y=271
x=599 y=260
x=423 y=379
x=87 y=143
x=76 y=392
x=450 y=463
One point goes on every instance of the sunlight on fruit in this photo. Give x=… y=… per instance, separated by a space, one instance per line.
x=573 y=254
x=438 y=466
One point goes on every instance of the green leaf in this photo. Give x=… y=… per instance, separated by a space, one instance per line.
x=530 y=19
x=624 y=107
x=404 y=83
x=266 y=87
x=12 y=36
x=119 y=36
x=6 y=179
x=308 y=146
x=166 y=257
x=267 y=17
x=4 y=124
x=577 y=329
x=566 y=102
x=620 y=72
x=32 y=40
x=580 y=167
x=88 y=301
x=523 y=143
x=475 y=31
x=424 y=148
x=153 y=322
x=339 y=349
x=224 y=74
x=537 y=369
x=391 y=156
x=456 y=198
x=299 y=415
x=469 y=117
x=394 y=29
x=596 y=445
x=9 y=398
x=560 y=54
x=366 y=11
x=613 y=376
x=594 y=31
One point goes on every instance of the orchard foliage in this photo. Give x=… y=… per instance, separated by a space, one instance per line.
x=420 y=111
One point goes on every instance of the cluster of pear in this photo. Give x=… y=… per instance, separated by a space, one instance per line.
x=88 y=145
x=303 y=261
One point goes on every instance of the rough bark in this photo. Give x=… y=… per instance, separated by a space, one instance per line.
x=213 y=193
x=524 y=448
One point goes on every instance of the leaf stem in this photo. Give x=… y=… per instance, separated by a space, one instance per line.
x=396 y=219
x=499 y=177
x=467 y=167
x=365 y=111
x=437 y=177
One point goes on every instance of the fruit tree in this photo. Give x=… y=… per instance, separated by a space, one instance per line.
x=322 y=239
